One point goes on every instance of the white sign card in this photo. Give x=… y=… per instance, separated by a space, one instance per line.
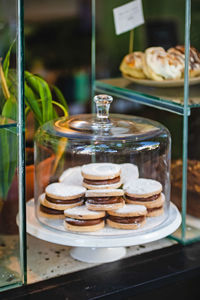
x=128 y=16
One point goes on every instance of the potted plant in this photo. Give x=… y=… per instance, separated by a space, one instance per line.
x=38 y=101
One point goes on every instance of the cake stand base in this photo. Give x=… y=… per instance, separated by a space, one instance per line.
x=97 y=255
x=105 y=245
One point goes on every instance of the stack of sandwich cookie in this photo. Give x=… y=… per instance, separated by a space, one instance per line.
x=48 y=212
x=101 y=176
x=60 y=196
x=130 y=216
x=108 y=199
x=146 y=192
x=81 y=219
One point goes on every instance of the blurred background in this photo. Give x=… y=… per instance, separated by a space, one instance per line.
x=57 y=43
x=58 y=47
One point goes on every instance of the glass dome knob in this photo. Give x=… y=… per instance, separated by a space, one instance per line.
x=103 y=105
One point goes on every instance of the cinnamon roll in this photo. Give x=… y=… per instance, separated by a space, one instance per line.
x=178 y=52
x=160 y=65
x=132 y=65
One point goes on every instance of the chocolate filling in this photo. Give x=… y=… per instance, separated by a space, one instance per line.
x=104 y=200
x=151 y=198
x=154 y=208
x=101 y=182
x=127 y=220
x=50 y=211
x=60 y=201
x=77 y=222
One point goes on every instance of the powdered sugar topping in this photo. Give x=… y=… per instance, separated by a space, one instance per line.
x=131 y=208
x=101 y=169
x=81 y=211
x=142 y=186
x=64 y=190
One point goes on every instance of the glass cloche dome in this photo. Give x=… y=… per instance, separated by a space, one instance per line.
x=139 y=148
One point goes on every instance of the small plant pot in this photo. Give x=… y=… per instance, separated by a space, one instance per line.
x=44 y=170
x=9 y=208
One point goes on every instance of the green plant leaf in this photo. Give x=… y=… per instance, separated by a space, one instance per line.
x=10 y=108
x=60 y=97
x=61 y=107
x=32 y=82
x=46 y=97
x=2 y=100
x=6 y=62
x=12 y=82
x=41 y=89
x=32 y=104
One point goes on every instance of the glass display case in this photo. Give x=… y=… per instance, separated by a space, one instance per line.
x=64 y=146
x=163 y=93
x=12 y=206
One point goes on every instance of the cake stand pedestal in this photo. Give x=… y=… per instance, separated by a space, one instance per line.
x=97 y=255
x=103 y=246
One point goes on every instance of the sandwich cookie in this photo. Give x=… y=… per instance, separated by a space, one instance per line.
x=72 y=176
x=129 y=172
x=101 y=176
x=81 y=219
x=148 y=193
x=107 y=199
x=47 y=212
x=61 y=196
x=128 y=217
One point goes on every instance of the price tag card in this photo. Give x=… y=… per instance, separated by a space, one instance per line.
x=128 y=16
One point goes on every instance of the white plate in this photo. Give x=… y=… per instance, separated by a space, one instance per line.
x=164 y=83
x=107 y=237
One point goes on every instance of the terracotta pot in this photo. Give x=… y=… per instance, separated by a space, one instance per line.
x=10 y=205
x=30 y=177
x=43 y=173
x=10 y=209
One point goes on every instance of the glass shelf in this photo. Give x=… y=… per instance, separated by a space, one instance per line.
x=164 y=99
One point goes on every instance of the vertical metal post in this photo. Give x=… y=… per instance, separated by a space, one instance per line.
x=185 y=117
x=93 y=54
x=21 y=139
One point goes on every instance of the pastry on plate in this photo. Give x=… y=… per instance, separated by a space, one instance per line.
x=132 y=65
x=61 y=196
x=129 y=216
x=47 y=212
x=194 y=59
x=101 y=176
x=81 y=219
x=147 y=192
x=107 y=199
x=160 y=65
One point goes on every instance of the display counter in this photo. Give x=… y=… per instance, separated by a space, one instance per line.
x=170 y=271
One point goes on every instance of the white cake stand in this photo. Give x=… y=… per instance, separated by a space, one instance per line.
x=106 y=245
